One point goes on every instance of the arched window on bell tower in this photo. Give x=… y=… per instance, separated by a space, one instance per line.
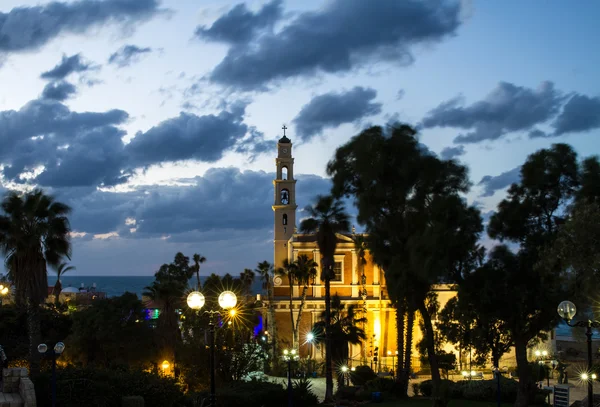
x=285 y=219
x=284 y=173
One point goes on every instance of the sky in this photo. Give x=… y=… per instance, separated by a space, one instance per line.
x=157 y=121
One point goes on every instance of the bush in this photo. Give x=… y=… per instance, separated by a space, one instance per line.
x=106 y=388
x=347 y=393
x=132 y=401
x=416 y=389
x=303 y=394
x=381 y=384
x=361 y=375
x=252 y=394
x=448 y=388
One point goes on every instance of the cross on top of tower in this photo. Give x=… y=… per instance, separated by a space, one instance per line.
x=284 y=139
x=284 y=129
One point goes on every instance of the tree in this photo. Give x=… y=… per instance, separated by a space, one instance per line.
x=289 y=271
x=34 y=232
x=305 y=273
x=198 y=260
x=345 y=329
x=421 y=231
x=60 y=271
x=247 y=278
x=326 y=218
x=531 y=217
x=266 y=271
x=167 y=291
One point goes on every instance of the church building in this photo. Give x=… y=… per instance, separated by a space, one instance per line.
x=360 y=284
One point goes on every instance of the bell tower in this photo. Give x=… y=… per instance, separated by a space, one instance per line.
x=284 y=204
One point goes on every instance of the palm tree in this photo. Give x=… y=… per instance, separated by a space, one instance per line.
x=247 y=278
x=345 y=330
x=289 y=270
x=360 y=246
x=60 y=270
x=198 y=259
x=305 y=273
x=266 y=271
x=326 y=218
x=34 y=232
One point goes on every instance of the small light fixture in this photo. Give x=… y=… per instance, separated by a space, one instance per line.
x=344 y=369
x=195 y=300
x=310 y=337
x=165 y=365
x=584 y=376
x=227 y=299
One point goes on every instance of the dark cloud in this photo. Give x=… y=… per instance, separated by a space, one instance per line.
x=240 y=25
x=127 y=55
x=29 y=28
x=72 y=147
x=581 y=113
x=449 y=153
x=60 y=91
x=343 y=35
x=491 y=184
x=333 y=109
x=186 y=137
x=508 y=108
x=67 y=66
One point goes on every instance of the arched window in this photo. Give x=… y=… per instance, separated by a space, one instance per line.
x=285 y=219
x=284 y=173
x=285 y=197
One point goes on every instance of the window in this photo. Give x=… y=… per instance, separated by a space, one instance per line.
x=285 y=219
x=284 y=173
x=337 y=271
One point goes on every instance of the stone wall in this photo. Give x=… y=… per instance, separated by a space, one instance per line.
x=15 y=380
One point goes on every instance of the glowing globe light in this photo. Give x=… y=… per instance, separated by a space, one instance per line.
x=59 y=348
x=584 y=376
x=567 y=310
x=310 y=337
x=227 y=300
x=195 y=300
x=42 y=348
x=165 y=365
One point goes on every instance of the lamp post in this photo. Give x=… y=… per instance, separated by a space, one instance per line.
x=196 y=301
x=310 y=337
x=288 y=356
x=567 y=311
x=345 y=375
x=54 y=353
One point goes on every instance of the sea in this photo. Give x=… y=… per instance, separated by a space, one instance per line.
x=115 y=286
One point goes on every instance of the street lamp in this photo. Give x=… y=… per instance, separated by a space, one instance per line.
x=54 y=353
x=310 y=338
x=567 y=311
x=227 y=300
x=288 y=356
x=345 y=375
x=3 y=292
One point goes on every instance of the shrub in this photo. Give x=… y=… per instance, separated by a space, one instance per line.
x=448 y=388
x=347 y=393
x=426 y=388
x=100 y=388
x=380 y=384
x=303 y=394
x=252 y=394
x=132 y=401
x=361 y=375
x=416 y=389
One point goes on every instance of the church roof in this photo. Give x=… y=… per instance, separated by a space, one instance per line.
x=305 y=238
x=285 y=140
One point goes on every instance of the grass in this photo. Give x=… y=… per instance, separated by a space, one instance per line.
x=427 y=403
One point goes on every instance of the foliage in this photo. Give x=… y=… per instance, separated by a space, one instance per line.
x=303 y=393
x=361 y=375
x=112 y=332
x=61 y=269
x=416 y=387
x=132 y=401
x=106 y=388
x=326 y=218
x=421 y=231
x=346 y=328
x=266 y=271
x=263 y=394
x=34 y=233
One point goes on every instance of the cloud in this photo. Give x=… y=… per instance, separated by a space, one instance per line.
x=450 y=153
x=240 y=25
x=344 y=35
x=70 y=148
x=508 y=108
x=29 y=28
x=333 y=109
x=66 y=67
x=491 y=184
x=188 y=136
x=59 y=91
x=219 y=202
x=127 y=55
x=580 y=114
